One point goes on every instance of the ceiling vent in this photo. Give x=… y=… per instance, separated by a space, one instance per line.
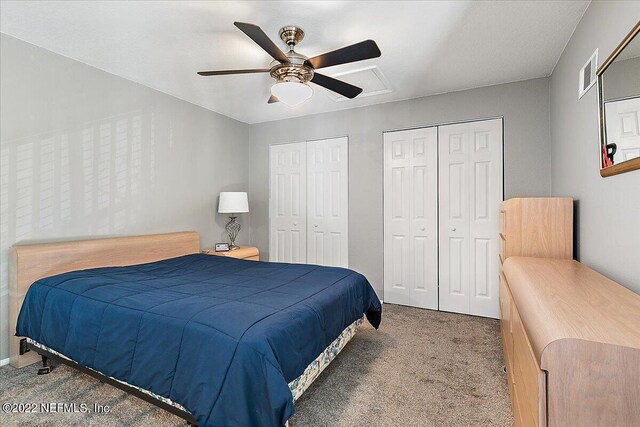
x=370 y=79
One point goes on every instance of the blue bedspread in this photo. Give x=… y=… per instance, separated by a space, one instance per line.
x=222 y=337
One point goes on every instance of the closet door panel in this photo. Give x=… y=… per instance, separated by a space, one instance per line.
x=486 y=196
x=287 y=203
x=328 y=202
x=470 y=192
x=454 y=218
x=410 y=218
x=398 y=277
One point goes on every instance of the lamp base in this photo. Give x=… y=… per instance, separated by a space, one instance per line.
x=233 y=228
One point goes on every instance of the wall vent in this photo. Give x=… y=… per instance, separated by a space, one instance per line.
x=587 y=76
x=370 y=79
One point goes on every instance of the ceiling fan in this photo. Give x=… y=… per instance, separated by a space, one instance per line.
x=292 y=71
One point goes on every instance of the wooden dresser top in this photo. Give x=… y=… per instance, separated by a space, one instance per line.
x=566 y=300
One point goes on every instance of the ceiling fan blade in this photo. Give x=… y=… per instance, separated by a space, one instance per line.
x=256 y=34
x=356 y=52
x=343 y=88
x=226 y=72
x=272 y=100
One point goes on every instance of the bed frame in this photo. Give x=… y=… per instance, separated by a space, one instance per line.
x=47 y=355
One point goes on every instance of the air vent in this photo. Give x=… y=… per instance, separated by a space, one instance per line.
x=370 y=79
x=587 y=76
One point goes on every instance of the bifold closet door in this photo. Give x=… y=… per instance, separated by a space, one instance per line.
x=328 y=202
x=470 y=192
x=287 y=203
x=411 y=218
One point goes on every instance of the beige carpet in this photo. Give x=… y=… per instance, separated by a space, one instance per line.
x=422 y=368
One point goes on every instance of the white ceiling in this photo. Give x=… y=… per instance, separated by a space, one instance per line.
x=427 y=47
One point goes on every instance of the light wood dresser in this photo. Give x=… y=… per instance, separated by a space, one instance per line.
x=571 y=336
x=536 y=227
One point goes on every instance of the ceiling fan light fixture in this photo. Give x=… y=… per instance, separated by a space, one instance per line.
x=291 y=93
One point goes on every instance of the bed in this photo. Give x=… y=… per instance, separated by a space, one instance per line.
x=226 y=341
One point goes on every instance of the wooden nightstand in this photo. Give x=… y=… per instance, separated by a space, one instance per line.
x=250 y=253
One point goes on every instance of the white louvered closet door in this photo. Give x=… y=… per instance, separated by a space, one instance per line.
x=411 y=218
x=470 y=192
x=287 y=203
x=328 y=202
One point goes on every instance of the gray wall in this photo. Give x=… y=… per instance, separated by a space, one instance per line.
x=524 y=105
x=85 y=153
x=609 y=208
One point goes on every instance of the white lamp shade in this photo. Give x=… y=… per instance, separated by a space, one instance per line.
x=233 y=202
x=291 y=93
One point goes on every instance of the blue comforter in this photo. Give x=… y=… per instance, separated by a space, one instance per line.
x=222 y=337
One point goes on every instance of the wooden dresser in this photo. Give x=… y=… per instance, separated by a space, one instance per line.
x=571 y=336
x=536 y=227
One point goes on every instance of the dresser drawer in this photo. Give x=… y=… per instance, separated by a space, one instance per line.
x=505 y=322
x=517 y=412
x=530 y=380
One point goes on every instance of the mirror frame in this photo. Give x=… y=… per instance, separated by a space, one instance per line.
x=628 y=165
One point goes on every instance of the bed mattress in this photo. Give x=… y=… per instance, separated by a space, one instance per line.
x=221 y=337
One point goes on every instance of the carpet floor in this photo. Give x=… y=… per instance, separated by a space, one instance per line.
x=421 y=368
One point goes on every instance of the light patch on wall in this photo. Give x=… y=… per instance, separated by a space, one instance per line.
x=587 y=75
x=370 y=79
x=94 y=173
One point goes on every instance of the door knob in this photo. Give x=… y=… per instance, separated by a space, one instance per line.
x=295 y=224
x=421 y=228
x=453 y=229
x=315 y=225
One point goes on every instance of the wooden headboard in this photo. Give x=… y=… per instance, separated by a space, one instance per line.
x=29 y=263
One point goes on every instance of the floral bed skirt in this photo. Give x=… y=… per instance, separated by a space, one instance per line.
x=297 y=386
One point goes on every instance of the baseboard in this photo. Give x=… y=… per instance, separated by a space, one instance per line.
x=5 y=361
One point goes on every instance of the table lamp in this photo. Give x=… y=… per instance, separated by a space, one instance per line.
x=233 y=202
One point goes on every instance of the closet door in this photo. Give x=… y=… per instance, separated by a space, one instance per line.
x=411 y=218
x=287 y=203
x=470 y=192
x=328 y=202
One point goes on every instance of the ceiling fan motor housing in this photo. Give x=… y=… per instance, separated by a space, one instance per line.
x=293 y=71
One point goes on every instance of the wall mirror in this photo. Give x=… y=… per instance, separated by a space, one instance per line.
x=619 y=107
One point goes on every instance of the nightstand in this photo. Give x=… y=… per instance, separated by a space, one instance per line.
x=249 y=253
